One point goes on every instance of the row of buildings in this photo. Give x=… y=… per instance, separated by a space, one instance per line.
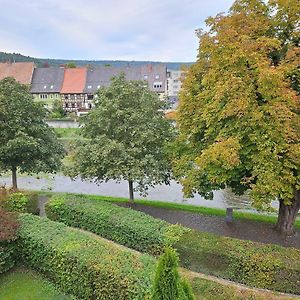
x=76 y=87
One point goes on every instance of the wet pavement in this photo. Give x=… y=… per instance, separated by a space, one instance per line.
x=241 y=229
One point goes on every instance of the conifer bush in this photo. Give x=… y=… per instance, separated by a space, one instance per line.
x=168 y=284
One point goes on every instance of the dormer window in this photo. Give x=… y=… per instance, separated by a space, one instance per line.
x=45 y=86
x=145 y=77
x=156 y=76
x=89 y=86
x=51 y=87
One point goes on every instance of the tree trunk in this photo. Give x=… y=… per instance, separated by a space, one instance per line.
x=287 y=215
x=131 y=196
x=14 y=178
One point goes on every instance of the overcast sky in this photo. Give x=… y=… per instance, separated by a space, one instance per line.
x=159 y=30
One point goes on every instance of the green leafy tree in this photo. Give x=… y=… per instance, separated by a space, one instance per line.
x=57 y=110
x=27 y=143
x=70 y=65
x=124 y=137
x=167 y=282
x=239 y=113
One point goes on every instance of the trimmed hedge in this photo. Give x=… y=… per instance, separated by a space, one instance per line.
x=83 y=264
x=7 y=260
x=124 y=226
x=254 y=264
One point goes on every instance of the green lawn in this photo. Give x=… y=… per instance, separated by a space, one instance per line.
x=258 y=217
x=24 y=284
x=67 y=133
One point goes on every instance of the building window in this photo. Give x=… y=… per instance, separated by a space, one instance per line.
x=156 y=76
x=90 y=97
x=157 y=85
x=145 y=77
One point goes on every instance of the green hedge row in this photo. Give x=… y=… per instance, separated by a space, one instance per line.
x=254 y=264
x=124 y=226
x=82 y=263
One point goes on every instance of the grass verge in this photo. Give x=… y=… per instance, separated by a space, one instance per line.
x=67 y=133
x=207 y=289
x=25 y=284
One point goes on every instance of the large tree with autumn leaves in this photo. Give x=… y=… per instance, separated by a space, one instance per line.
x=239 y=113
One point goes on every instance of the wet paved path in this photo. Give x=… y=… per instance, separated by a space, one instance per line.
x=241 y=229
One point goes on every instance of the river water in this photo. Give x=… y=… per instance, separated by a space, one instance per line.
x=172 y=193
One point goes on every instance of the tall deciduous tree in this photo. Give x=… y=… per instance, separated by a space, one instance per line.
x=124 y=137
x=27 y=143
x=239 y=114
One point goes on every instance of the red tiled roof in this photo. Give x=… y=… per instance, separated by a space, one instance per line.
x=74 y=81
x=21 y=71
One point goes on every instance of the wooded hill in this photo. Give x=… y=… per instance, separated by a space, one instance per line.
x=40 y=62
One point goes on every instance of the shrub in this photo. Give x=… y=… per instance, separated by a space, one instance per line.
x=127 y=227
x=254 y=264
x=32 y=206
x=7 y=260
x=167 y=283
x=8 y=229
x=16 y=202
x=21 y=201
x=8 y=226
x=83 y=264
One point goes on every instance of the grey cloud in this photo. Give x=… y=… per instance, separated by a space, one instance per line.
x=132 y=29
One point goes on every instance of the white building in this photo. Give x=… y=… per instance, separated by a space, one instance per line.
x=174 y=82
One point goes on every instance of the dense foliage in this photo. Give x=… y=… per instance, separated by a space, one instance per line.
x=27 y=143
x=127 y=227
x=125 y=137
x=8 y=230
x=167 y=283
x=20 y=201
x=239 y=108
x=264 y=266
x=83 y=264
